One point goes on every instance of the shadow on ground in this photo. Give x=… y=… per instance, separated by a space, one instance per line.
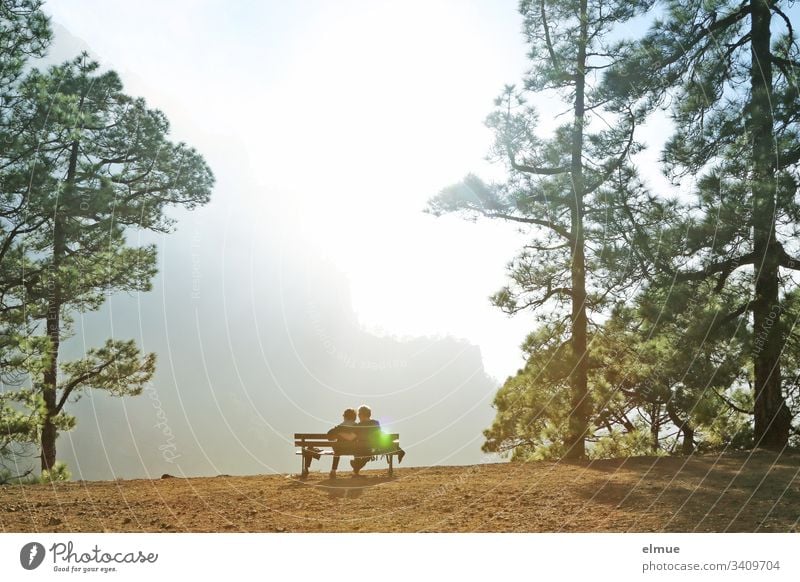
x=349 y=487
x=737 y=492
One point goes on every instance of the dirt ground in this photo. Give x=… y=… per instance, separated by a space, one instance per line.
x=735 y=492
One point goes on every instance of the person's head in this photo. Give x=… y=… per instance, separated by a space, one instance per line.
x=364 y=412
x=349 y=415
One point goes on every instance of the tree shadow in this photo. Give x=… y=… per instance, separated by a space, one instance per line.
x=733 y=492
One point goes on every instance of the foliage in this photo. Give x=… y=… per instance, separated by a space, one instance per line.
x=727 y=72
x=24 y=33
x=564 y=187
x=83 y=165
x=58 y=472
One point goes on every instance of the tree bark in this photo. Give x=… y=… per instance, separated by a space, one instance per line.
x=655 y=427
x=579 y=413
x=50 y=379
x=687 y=446
x=50 y=376
x=772 y=418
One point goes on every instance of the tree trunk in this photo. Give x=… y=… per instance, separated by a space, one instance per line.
x=54 y=302
x=655 y=427
x=50 y=379
x=687 y=446
x=579 y=414
x=772 y=417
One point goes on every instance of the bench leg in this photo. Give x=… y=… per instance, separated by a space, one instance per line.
x=391 y=468
x=303 y=462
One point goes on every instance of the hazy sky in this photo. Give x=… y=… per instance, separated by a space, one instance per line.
x=345 y=117
x=313 y=280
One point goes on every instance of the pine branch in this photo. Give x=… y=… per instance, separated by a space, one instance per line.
x=538 y=170
x=731 y=404
x=617 y=163
x=67 y=390
x=557 y=228
x=725 y=267
x=792 y=157
x=548 y=41
x=788 y=261
x=786 y=20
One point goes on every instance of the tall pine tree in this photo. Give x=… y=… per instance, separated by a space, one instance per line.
x=728 y=73
x=561 y=186
x=24 y=34
x=104 y=166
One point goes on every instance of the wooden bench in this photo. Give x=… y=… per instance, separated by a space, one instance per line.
x=320 y=444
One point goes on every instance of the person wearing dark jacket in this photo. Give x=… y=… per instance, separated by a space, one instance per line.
x=344 y=434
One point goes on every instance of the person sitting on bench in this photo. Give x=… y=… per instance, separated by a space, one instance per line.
x=367 y=438
x=345 y=436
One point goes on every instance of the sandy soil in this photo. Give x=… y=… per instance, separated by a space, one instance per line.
x=737 y=492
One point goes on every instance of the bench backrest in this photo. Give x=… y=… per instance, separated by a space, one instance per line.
x=312 y=439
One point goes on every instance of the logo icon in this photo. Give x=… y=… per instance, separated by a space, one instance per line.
x=31 y=555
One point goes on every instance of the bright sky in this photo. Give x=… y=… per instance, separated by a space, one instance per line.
x=347 y=116
x=328 y=124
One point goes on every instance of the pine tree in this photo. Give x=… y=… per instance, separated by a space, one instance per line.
x=729 y=71
x=104 y=166
x=24 y=34
x=677 y=356
x=561 y=187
